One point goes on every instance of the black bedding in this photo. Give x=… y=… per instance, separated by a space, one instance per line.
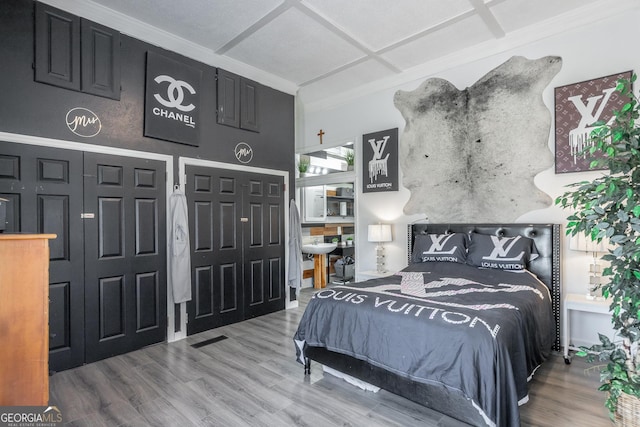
x=474 y=331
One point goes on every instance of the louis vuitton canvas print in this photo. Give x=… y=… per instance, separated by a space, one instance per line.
x=578 y=106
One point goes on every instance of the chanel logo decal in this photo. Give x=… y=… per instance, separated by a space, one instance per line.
x=175 y=93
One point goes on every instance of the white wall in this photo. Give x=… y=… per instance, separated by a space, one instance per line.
x=587 y=53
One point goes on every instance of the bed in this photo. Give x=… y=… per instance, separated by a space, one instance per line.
x=460 y=330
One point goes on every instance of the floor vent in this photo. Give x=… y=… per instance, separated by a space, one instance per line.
x=209 y=341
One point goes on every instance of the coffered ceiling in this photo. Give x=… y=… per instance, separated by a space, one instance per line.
x=321 y=49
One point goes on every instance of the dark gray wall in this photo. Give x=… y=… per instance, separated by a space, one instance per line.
x=31 y=108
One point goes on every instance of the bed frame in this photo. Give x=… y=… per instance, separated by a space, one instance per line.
x=546 y=267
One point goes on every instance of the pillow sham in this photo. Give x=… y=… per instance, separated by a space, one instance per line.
x=504 y=253
x=440 y=247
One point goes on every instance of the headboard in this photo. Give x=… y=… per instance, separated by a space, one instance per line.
x=545 y=236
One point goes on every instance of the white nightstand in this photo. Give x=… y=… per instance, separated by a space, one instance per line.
x=371 y=274
x=578 y=302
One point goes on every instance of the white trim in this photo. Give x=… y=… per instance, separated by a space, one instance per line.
x=91 y=148
x=183 y=162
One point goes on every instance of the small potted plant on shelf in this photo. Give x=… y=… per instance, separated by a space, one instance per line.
x=609 y=206
x=349 y=241
x=350 y=157
x=303 y=166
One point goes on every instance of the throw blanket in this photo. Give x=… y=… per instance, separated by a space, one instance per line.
x=479 y=332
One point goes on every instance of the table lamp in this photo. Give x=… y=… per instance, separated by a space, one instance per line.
x=379 y=233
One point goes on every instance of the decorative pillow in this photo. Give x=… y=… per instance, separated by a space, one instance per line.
x=440 y=247
x=504 y=253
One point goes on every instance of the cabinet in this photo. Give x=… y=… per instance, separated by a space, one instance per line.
x=237 y=101
x=228 y=99
x=75 y=53
x=578 y=302
x=100 y=60
x=248 y=105
x=24 y=319
x=57 y=44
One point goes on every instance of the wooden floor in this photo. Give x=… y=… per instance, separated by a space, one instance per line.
x=251 y=379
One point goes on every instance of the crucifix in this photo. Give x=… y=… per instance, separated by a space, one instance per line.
x=320 y=135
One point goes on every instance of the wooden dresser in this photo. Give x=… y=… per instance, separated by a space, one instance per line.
x=24 y=319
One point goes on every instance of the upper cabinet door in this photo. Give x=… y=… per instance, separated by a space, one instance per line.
x=100 y=60
x=249 y=105
x=228 y=98
x=57 y=47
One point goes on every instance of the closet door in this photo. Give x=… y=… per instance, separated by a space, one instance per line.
x=43 y=187
x=125 y=261
x=263 y=244
x=215 y=206
x=236 y=223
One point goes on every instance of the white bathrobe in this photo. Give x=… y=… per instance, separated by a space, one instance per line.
x=179 y=250
x=295 y=248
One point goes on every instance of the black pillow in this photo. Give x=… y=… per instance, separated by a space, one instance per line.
x=440 y=247
x=504 y=253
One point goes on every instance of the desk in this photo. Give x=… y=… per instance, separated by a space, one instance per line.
x=578 y=302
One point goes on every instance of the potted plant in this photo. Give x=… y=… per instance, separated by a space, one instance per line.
x=609 y=206
x=349 y=241
x=303 y=166
x=350 y=157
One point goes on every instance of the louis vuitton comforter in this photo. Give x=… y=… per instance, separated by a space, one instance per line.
x=478 y=332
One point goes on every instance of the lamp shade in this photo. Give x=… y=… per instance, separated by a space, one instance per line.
x=580 y=242
x=379 y=233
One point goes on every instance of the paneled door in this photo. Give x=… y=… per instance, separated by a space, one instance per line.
x=43 y=187
x=263 y=244
x=125 y=254
x=107 y=277
x=237 y=246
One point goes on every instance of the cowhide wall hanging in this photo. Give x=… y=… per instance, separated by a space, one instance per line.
x=471 y=155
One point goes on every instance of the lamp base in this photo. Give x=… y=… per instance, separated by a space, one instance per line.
x=380 y=268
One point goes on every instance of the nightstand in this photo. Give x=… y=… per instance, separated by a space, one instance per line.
x=578 y=302
x=361 y=276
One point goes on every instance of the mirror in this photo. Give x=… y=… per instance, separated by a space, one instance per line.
x=319 y=161
x=315 y=203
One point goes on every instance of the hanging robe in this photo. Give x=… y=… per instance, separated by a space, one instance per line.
x=179 y=250
x=295 y=248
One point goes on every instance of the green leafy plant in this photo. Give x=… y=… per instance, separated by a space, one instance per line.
x=609 y=206
x=335 y=240
x=303 y=165
x=350 y=157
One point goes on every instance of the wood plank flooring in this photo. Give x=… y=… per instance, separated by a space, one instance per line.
x=252 y=379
